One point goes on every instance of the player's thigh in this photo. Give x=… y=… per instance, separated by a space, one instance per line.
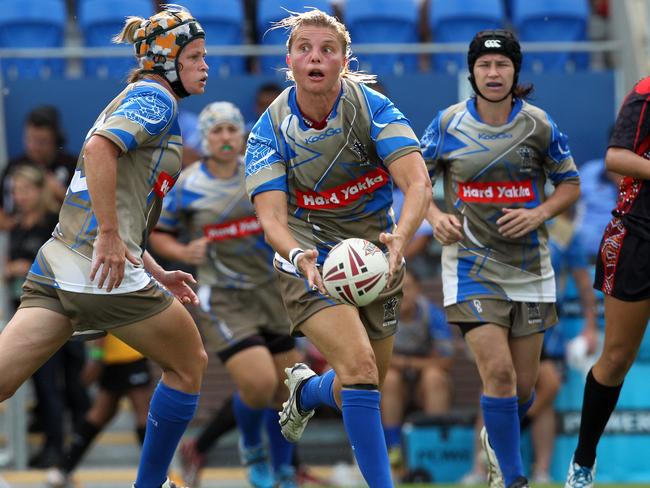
x=526 y=352
x=170 y=338
x=383 y=349
x=28 y=340
x=338 y=333
x=490 y=348
x=625 y=324
x=253 y=368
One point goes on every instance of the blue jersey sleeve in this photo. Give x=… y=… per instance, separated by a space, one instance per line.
x=430 y=144
x=265 y=166
x=145 y=113
x=389 y=128
x=559 y=155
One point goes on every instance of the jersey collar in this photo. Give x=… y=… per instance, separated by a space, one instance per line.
x=305 y=123
x=516 y=108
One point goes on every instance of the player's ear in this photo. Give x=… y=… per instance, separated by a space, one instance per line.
x=287 y=60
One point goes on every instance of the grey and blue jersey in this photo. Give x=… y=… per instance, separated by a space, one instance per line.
x=142 y=122
x=485 y=169
x=219 y=210
x=336 y=178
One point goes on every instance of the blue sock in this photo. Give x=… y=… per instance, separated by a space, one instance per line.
x=249 y=421
x=318 y=390
x=393 y=435
x=362 y=421
x=281 y=449
x=169 y=413
x=502 y=424
x=523 y=407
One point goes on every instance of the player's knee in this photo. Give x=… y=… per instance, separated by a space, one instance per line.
x=501 y=377
x=258 y=392
x=201 y=361
x=190 y=370
x=359 y=370
x=617 y=362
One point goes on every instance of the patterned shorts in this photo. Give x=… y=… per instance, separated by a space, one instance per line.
x=623 y=264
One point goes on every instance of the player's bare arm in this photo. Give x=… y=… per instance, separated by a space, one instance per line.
x=110 y=252
x=627 y=163
x=410 y=174
x=271 y=209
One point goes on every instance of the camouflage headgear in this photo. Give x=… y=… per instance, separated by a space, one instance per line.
x=218 y=113
x=159 y=41
x=497 y=41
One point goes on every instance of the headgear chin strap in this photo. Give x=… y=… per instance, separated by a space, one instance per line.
x=498 y=41
x=159 y=41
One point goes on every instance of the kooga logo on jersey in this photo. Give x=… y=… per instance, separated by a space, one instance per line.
x=493 y=137
x=324 y=135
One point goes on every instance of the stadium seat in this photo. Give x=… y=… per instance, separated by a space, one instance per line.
x=32 y=24
x=99 y=21
x=222 y=21
x=382 y=21
x=552 y=20
x=269 y=11
x=456 y=22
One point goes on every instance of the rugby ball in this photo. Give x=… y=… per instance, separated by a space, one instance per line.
x=355 y=271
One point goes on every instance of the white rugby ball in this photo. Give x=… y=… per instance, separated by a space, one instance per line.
x=355 y=271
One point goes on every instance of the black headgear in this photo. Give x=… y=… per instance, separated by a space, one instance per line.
x=497 y=41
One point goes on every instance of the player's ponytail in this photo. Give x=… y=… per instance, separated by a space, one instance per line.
x=127 y=34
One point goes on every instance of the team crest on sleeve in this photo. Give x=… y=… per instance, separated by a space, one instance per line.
x=259 y=154
x=149 y=110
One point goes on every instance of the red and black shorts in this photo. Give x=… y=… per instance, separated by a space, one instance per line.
x=623 y=264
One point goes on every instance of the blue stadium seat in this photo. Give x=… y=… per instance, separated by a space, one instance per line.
x=382 y=21
x=99 y=21
x=456 y=22
x=269 y=11
x=552 y=20
x=32 y=24
x=222 y=21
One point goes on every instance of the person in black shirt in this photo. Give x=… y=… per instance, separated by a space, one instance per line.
x=623 y=275
x=36 y=215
